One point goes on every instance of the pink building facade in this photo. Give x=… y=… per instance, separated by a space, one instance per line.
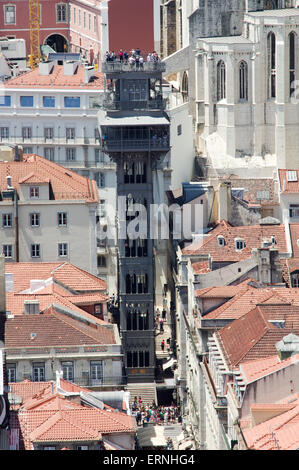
x=65 y=25
x=134 y=24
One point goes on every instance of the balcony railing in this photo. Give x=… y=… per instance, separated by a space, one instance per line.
x=113 y=105
x=146 y=144
x=84 y=380
x=115 y=66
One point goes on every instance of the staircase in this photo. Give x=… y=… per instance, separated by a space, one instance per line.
x=146 y=391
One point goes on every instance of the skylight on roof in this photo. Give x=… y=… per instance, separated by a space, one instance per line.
x=292 y=175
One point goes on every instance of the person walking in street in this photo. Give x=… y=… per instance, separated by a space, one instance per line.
x=162 y=345
x=161 y=325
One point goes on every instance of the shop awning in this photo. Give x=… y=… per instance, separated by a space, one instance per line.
x=169 y=363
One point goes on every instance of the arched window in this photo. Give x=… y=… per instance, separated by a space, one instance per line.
x=185 y=87
x=243 y=80
x=292 y=61
x=221 y=81
x=271 y=65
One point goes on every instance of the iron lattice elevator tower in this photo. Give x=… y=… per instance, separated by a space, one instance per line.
x=135 y=135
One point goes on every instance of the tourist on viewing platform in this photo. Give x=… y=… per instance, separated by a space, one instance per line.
x=121 y=55
x=126 y=57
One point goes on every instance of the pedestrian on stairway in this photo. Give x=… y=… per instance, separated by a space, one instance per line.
x=138 y=417
x=140 y=401
x=162 y=345
x=164 y=314
x=161 y=325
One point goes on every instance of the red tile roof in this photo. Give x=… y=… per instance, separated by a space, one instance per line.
x=278 y=433
x=65 y=184
x=66 y=274
x=253 y=336
x=254 y=370
x=248 y=297
x=223 y=291
x=54 y=329
x=285 y=185
x=56 y=79
x=253 y=237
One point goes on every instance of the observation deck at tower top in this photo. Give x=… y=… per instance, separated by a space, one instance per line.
x=117 y=67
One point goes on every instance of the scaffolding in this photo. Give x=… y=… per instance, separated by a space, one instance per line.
x=34 y=17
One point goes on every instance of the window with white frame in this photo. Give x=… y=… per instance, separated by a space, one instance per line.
x=61 y=12
x=49 y=153
x=96 y=371
x=71 y=154
x=89 y=22
x=34 y=192
x=49 y=132
x=4 y=132
x=34 y=219
x=95 y=24
x=38 y=371
x=100 y=180
x=294 y=210
x=221 y=241
x=35 y=250
x=62 y=219
x=239 y=244
x=7 y=251
x=7 y=220
x=102 y=211
x=11 y=372
x=27 y=150
x=68 y=370
x=79 y=17
x=26 y=132
x=70 y=133
x=62 y=249
x=84 y=19
x=9 y=14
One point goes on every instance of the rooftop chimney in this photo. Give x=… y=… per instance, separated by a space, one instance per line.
x=45 y=68
x=70 y=67
x=88 y=73
x=288 y=346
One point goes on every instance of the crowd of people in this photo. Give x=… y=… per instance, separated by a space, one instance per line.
x=158 y=415
x=133 y=58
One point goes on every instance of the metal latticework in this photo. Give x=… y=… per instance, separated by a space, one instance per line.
x=34 y=13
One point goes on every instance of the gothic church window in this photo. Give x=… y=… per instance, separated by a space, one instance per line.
x=292 y=61
x=243 y=80
x=272 y=65
x=221 y=81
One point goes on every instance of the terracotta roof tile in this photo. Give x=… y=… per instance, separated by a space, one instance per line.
x=278 y=433
x=53 y=329
x=285 y=185
x=66 y=274
x=65 y=184
x=247 y=299
x=253 y=237
x=253 y=336
x=56 y=79
x=254 y=370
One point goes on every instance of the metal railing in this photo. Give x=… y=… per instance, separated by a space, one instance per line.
x=116 y=66
x=142 y=144
x=115 y=105
x=83 y=380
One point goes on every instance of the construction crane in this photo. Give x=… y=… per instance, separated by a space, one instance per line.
x=34 y=13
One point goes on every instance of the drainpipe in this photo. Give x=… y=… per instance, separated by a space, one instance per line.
x=16 y=224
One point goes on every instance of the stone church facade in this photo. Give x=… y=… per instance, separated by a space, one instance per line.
x=240 y=65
